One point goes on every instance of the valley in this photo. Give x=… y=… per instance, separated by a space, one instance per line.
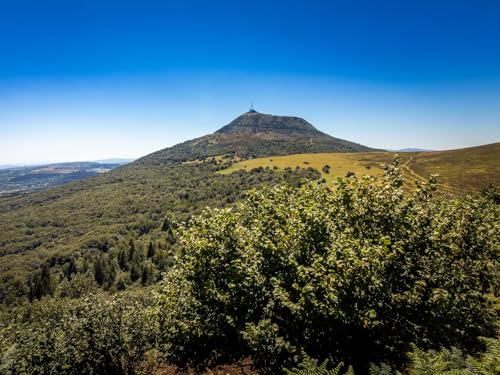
x=23 y=180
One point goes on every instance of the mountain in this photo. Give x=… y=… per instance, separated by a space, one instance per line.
x=255 y=134
x=113 y=219
x=7 y=166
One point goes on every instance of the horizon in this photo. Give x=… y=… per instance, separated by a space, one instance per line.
x=93 y=81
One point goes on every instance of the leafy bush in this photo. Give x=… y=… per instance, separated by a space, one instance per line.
x=94 y=334
x=353 y=274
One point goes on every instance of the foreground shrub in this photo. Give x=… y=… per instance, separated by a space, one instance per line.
x=443 y=362
x=353 y=274
x=94 y=334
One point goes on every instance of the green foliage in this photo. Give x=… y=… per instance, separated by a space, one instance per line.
x=353 y=274
x=491 y=192
x=112 y=218
x=94 y=334
x=489 y=362
x=309 y=366
x=78 y=286
x=432 y=363
x=449 y=362
x=151 y=250
x=99 y=272
x=40 y=284
x=444 y=362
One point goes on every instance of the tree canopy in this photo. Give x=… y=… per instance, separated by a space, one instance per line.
x=355 y=274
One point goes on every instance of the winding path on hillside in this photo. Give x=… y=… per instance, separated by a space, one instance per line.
x=412 y=174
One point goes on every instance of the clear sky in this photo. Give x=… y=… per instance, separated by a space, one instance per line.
x=95 y=79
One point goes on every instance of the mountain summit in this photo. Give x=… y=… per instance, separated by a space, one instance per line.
x=255 y=134
x=253 y=122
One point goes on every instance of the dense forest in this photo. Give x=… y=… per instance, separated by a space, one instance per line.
x=118 y=226
x=362 y=278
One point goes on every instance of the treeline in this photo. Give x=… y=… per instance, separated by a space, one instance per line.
x=124 y=264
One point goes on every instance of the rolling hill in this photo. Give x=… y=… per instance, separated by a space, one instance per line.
x=459 y=170
x=99 y=217
x=255 y=134
x=121 y=221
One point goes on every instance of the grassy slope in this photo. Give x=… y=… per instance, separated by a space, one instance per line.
x=459 y=170
x=466 y=169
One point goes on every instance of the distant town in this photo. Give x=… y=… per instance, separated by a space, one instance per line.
x=26 y=179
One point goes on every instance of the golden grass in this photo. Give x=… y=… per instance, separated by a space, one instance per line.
x=366 y=163
x=459 y=170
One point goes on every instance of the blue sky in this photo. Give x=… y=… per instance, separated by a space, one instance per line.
x=83 y=80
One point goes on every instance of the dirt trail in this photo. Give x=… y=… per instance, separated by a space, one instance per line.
x=405 y=167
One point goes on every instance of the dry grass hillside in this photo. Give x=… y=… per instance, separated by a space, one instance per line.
x=459 y=170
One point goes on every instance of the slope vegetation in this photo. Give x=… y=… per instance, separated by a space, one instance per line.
x=255 y=134
x=124 y=210
x=458 y=170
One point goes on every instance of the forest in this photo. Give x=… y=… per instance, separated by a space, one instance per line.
x=295 y=277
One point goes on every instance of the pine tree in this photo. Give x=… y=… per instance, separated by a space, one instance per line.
x=151 y=250
x=40 y=284
x=45 y=281
x=170 y=236
x=145 y=275
x=166 y=225
x=99 y=272
x=71 y=269
x=112 y=270
x=135 y=272
x=131 y=251
x=122 y=260
x=32 y=287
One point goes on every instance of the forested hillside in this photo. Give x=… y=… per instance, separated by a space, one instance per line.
x=183 y=262
x=92 y=223
x=359 y=275
x=95 y=224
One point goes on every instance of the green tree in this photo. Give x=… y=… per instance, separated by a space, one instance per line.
x=151 y=250
x=166 y=225
x=135 y=271
x=354 y=274
x=122 y=260
x=147 y=271
x=94 y=334
x=99 y=271
x=131 y=250
x=40 y=284
x=71 y=269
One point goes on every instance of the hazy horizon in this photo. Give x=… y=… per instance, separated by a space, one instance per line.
x=91 y=81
